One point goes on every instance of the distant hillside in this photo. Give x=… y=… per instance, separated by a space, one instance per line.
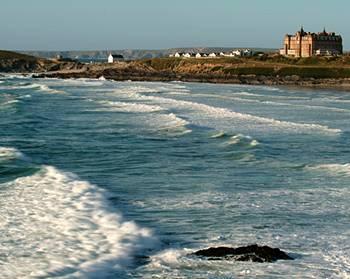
x=129 y=54
x=5 y=55
x=13 y=62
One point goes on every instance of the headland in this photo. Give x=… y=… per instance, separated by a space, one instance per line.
x=263 y=69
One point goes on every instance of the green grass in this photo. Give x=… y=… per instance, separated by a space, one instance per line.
x=315 y=72
x=161 y=64
x=259 y=71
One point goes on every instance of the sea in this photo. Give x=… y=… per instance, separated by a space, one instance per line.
x=105 y=179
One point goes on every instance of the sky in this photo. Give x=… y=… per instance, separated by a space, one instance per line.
x=158 y=24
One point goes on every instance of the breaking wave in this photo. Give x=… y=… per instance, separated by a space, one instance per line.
x=219 y=134
x=220 y=113
x=242 y=140
x=41 y=87
x=332 y=169
x=131 y=107
x=157 y=118
x=239 y=139
x=8 y=153
x=54 y=224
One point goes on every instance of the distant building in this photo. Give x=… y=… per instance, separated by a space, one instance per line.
x=201 y=55
x=233 y=53
x=306 y=44
x=187 y=55
x=114 y=57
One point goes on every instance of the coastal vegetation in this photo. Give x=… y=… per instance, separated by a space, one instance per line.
x=264 y=69
x=266 y=65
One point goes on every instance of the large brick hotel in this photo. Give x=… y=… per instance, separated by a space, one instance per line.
x=306 y=44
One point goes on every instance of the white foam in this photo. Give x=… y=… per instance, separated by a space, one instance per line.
x=42 y=87
x=332 y=169
x=46 y=88
x=157 y=119
x=131 y=107
x=54 y=224
x=323 y=253
x=222 y=113
x=219 y=134
x=10 y=102
x=7 y=153
x=170 y=124
x=242 y=140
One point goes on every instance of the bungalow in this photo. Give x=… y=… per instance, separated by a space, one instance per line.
x=178 y=54
x=114 y=57
x=201 y=54
x=188 y=55
x=237 y=52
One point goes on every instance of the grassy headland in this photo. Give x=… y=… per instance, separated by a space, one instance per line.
x=267 y=69
x=267 y=65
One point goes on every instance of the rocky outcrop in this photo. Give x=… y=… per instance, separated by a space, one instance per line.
x=12 y=62
x=252 y=253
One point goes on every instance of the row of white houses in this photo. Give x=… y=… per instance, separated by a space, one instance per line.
x=233 y=53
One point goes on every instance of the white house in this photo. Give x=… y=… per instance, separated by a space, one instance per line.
x=114 y=57
x=110 y=58
x=177 y=54
x=187 y=55
x=237 y=52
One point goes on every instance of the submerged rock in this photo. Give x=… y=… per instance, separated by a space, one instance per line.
x=252 y=253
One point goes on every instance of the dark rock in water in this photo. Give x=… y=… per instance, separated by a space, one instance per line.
x=252 y=253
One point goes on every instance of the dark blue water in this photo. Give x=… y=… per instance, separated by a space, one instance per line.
x=102 y=179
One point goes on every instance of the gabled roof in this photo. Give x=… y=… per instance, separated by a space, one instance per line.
x=117 y=56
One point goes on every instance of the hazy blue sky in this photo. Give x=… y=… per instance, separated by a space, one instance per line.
x=155 y=24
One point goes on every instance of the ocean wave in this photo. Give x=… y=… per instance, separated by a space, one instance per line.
x=7 y=153
x=248 y=119
x=131 y=107
x=332 y=169
x=273 y=103
x=316 y=107
x=242 y=140
x=219 y=134
x=46 y=88
x=26 y=85
x=9 y=102
x=171 y=124
x=64 y=227
x=157 y=118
